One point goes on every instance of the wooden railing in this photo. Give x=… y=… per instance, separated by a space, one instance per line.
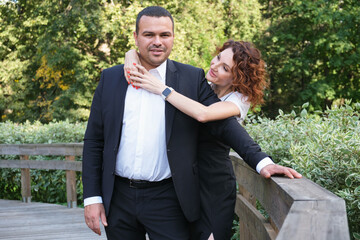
x=69 y=151
x=296 y=208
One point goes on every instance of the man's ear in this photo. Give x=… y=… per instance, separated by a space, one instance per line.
x=135 y=37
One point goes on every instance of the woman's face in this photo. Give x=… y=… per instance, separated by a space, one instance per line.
x=220 y=69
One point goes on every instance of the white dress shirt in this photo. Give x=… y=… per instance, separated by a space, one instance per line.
x=142 y=152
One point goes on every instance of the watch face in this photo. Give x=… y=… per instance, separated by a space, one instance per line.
x=166 y=92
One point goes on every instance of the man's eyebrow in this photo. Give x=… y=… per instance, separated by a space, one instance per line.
x=147 y=32
x=150 y=32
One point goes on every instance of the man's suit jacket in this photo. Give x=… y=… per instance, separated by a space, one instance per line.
x=103 y=135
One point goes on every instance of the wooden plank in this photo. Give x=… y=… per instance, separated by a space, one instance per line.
x=272 y=198
x=254 y=222
x=280 y=197
x=277 y=194
x=245 y=231
x=71 y=184
x=316 y=220
x=303 y=189
x=43 y=221
x=61 y=149
x=42 y=164
x=25 y=181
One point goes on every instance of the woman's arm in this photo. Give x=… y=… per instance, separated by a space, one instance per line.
x=200 y=112
x=196 y=110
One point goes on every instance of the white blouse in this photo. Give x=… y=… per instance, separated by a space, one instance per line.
x=240 y=101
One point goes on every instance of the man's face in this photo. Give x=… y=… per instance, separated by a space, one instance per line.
x=154 y=40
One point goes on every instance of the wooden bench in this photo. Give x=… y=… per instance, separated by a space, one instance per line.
x=297 y=208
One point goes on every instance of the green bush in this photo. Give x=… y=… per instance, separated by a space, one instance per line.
x=324 y=147
x=54 y=132
x=47 y=185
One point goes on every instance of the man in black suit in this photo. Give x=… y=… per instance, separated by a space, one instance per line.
x=139 y=161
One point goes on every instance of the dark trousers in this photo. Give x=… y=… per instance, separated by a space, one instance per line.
x=154 y=210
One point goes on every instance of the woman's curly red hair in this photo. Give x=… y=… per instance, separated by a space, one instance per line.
x=249 y=72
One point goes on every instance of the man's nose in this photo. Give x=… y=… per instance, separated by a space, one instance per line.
x=157 y=41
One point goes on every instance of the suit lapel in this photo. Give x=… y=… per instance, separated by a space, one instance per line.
x=119 y=100
x=171 y=81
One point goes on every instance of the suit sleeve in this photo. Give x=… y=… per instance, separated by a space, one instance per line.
x=229 y=131
x=93 y=146
x=206 y=94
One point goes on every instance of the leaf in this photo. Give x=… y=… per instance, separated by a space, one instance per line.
x=293 y=114
x=356 y=235
x=348 y=181
x=305 y=105
x=357 y=190
x=303 y=113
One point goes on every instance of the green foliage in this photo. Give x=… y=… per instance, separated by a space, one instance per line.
x=52 y=53
x=243 y=19
x=54 y=132
x=324 y=148
x=311 y=52
x=47 y=185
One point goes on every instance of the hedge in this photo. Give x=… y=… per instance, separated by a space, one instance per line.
x=324 y=147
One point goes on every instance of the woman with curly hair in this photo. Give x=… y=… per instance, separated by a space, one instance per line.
x=237 y=75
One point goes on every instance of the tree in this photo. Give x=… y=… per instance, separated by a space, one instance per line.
x=52 y=53
x=312 y=54
x=49 y=58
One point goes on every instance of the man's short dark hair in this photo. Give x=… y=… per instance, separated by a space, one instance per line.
x=153 y=11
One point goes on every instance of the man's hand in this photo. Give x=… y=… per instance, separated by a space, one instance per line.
x=275 y=169
x=93 y=213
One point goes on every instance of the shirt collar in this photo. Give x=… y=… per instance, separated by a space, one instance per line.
x=162 y=70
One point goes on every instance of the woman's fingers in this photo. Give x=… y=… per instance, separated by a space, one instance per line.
x=135 y=79
x=136 y=74
x=141 y=68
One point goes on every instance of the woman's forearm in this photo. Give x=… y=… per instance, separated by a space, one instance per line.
x=200 y=112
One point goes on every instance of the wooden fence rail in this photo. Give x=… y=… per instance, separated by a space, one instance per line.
x=296 y=208
x=69 y=151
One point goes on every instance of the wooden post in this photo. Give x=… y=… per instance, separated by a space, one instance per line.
x=71 y=185
x=245 y=233
x=25 y=182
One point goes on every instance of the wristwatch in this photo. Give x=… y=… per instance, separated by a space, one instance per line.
x=166 y=92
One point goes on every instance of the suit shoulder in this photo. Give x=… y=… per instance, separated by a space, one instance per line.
x=114 y=69
x=185 y=67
